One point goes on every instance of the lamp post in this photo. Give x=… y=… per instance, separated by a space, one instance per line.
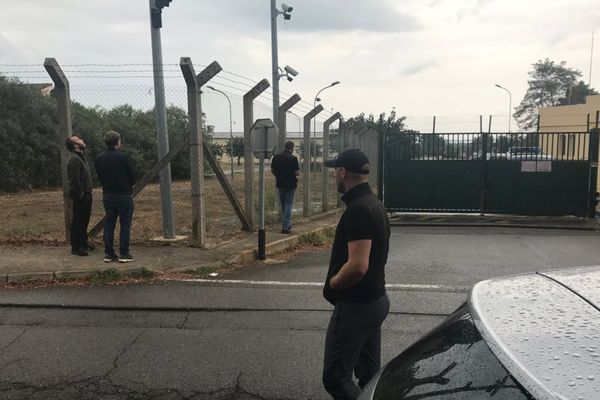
x=230 y=126
x=332 y=84
x=299 y=122
x=509 y=104
x=275 y=70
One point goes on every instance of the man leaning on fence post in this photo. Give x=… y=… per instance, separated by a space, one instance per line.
x=355 y=282
x=80 y=192
x=117 y=177
x=286 y=169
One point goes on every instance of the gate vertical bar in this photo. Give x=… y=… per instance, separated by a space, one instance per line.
x=485 y=137
x=593 y=177
x=65 y=129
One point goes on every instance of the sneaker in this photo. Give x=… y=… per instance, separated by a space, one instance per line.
x=89 y=247
x=286 y=231
x=126 y=258
x=110 y=258
x=79 y=252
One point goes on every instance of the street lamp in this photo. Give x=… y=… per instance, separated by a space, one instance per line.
x=299 y=122
x=278 y=73
x=317 y=99
x=230 y=126
x=509 y=104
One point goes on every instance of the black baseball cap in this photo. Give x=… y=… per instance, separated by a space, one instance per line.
x=353 y=160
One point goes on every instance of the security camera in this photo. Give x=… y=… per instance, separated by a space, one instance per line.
x=286 y=8
x=287 y=17
x=291 y=70
x=289 y=78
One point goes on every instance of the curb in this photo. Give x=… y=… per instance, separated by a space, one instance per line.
x=493 y=225
x=48 y=276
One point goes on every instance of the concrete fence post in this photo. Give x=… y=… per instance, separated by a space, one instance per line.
x=196 y=144
x=65 y=130
x=325 y=181
x=281 y=124
x=306 y=162
x=248 y=156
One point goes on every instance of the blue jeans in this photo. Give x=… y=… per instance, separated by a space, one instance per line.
x=286 y=199
x=117 y=207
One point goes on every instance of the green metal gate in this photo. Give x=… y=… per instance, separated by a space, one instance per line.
x=548 y=174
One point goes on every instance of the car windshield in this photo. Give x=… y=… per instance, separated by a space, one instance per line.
x=451 y=362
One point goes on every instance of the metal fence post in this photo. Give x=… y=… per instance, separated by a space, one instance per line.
x=281 y=124
x=324 y=185
x=248 y=156
x=306 y=162
x=65 y=130
x=381 y=164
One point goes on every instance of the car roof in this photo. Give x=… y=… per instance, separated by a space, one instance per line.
x=545 y=329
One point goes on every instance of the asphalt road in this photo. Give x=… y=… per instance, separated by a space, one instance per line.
x=257 y=335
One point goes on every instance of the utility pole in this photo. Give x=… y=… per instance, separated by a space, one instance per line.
x=160 y=112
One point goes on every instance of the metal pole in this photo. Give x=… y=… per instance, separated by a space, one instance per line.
x=274 y=62
x=65 y=130
x=315 y=120
x=160 y=112
x=261 y=202
x=281 y=124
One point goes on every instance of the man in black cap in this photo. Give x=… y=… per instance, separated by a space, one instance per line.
x=355 y=282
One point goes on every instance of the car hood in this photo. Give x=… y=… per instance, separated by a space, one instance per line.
x=545 y=329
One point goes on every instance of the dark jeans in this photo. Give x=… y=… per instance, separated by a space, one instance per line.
x=82 y=208
x=286 y=199
x=353 y=345
x=117 y=207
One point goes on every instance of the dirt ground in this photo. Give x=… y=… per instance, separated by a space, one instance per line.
x=37 y=217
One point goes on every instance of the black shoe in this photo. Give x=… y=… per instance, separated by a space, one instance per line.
x=89 y=247
x=126 y=258
x=79 y=252
x=286 y=231
x=110 y=258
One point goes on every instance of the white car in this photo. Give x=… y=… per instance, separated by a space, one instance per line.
x=527 y=153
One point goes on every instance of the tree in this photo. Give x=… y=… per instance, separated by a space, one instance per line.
x=550 y=85
x=238 y=148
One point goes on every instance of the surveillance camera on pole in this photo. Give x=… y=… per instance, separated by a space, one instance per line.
x=276 y=72
x=288 y=72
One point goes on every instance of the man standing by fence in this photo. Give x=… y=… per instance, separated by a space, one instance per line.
x=286 y=169
x=355 y=282
x=80 y=192
x=116 y=175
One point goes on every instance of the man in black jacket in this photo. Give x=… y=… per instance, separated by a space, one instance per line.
x=286 y=170
x=80 y=192
x=117 y=177
x=355 y=282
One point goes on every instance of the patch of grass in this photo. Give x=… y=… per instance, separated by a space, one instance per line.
x=143 y=273
x=104 y=277
x=319 y=238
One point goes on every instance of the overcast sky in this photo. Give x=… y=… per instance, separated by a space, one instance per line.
x=423 y=57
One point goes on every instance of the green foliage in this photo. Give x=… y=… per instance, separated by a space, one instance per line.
x=238 y=148
x=104 y=277
x=550 y=84
x=29 y=154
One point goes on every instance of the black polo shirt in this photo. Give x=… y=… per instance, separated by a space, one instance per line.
x=284 y=166
x=115 y=172
x=365 y=218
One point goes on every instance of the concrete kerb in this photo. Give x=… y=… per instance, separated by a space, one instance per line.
x=73 y=274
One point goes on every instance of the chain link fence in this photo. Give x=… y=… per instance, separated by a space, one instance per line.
x=121 y=97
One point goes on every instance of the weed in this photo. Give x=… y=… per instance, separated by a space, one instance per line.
x=105 y=276
x=201 y=271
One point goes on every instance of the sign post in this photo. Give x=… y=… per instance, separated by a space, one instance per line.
x=263 y=137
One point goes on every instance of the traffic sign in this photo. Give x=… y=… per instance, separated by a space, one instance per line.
x=263 y=138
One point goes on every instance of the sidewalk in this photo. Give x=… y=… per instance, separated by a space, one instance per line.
x=46 y=262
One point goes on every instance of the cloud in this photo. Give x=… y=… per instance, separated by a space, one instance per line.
x=419 y=67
